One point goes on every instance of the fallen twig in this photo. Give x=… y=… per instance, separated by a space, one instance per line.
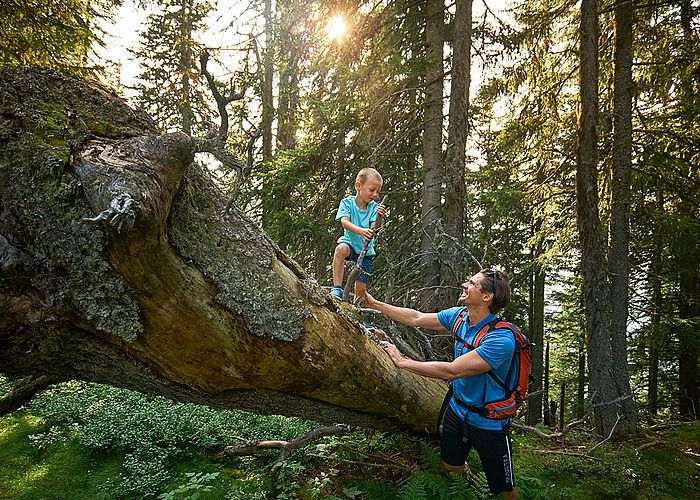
x=286 y=447
x=567 y=453
x=649 y=445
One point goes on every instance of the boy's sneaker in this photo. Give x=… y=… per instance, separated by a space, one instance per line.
x=337 y=292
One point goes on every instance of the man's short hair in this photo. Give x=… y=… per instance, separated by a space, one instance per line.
x=498 y=283
x=368 y=173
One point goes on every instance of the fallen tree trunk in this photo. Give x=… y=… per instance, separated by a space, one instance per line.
x=118 y=267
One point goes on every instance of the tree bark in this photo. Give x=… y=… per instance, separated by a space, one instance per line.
x=291 y=56
x=432 y=153
x=186 y=64
x=453 y=267
x=689 y=249
x=268 y=109
x=657 y=298
x=618 y=259
x=545 y=394
x=118 y=267
x=610 y=399
x=537 y=337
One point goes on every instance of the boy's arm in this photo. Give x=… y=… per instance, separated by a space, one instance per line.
x=366 y=233
x=404 y=315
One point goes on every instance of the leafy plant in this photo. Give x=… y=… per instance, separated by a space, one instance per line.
x=197 y=483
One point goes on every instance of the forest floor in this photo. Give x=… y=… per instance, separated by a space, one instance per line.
x=82 y=441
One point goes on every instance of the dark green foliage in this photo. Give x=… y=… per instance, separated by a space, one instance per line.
x=173 y=91
x=58 y=34
x=150 y=434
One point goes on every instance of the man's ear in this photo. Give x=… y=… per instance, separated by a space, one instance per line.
x=358 y=185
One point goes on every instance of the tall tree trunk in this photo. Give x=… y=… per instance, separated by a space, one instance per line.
x=290 y=56
x=268 y=75
x=610 y=400
x=689 y=249
x=537 y=337
x=186 y=62
x=654 y=335
x=548 y=420
x=120 y=265
x=432 y=153
x=453 y=267
x=581 y=380
x=618 y=259
x=562 y=404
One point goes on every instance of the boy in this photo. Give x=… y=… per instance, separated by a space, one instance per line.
x=357 y=214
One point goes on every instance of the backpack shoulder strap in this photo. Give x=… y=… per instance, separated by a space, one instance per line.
x=488 y=327
x=458 y=322
x=492 y=325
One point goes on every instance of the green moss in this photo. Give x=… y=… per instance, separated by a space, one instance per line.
x=52 y=116
x=234 y=254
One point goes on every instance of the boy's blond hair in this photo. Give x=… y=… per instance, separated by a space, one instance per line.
x=368 y=173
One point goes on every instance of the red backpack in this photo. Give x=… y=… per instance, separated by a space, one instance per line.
x=515 y=384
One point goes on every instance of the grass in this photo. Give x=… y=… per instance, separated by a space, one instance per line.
x=38 y=460
x=61 y=470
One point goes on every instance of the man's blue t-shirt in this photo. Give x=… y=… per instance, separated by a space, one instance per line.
x=363 y=218
x=496 y=348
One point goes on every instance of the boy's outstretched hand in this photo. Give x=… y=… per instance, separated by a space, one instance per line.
x=381 y=209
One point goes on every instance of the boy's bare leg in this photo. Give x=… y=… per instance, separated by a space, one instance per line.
x=341 y=252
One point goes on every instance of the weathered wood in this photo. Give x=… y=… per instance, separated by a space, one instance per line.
x=118 y=267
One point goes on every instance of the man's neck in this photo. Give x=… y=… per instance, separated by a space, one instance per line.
x=360 y=203
x=476 y=314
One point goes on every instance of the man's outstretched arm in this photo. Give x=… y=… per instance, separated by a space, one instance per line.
x=467 y=365
x=404 y=315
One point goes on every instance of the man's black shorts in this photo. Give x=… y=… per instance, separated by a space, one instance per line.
x=494 y=447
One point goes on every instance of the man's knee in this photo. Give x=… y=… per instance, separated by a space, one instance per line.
x=512 y=494
x=455 y=469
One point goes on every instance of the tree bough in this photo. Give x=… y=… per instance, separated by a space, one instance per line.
x=117 y=267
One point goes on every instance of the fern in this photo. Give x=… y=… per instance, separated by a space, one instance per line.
x=430 y=458
x=532 y=488
x=439 y=485
x=460 y=489
x=481 y=486
x=415 y=489
x=377 y=490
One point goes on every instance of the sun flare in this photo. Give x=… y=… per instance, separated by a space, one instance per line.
x=336 y=28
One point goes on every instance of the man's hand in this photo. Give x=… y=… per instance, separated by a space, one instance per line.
x=393 y=353
x=381 y=209
x=369 y=300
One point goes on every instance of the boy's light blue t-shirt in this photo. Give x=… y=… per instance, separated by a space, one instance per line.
x=496 y=348
x=363 y=218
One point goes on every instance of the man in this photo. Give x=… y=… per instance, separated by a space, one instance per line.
x=484 y=294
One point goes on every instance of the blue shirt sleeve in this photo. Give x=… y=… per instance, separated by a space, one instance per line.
x=497 y=347
x=344 y=209
x=448 y=317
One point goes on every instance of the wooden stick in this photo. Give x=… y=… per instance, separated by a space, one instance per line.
x=358 y=265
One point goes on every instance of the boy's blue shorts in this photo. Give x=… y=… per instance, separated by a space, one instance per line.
x=366 y=264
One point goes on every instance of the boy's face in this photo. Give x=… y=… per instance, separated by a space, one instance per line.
x=369 y=191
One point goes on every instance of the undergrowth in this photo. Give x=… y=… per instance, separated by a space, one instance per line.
x=88 y=441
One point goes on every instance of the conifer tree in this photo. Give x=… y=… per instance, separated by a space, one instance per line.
x=171 y=87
